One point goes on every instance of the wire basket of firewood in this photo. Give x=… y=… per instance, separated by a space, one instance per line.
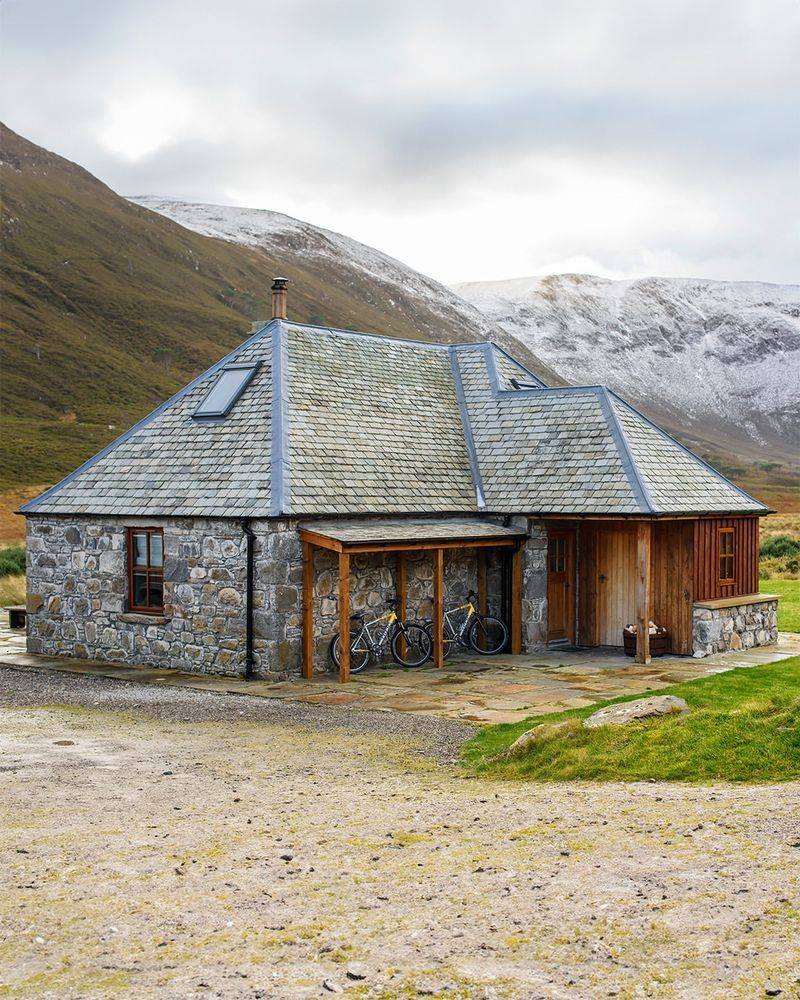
x=660 y=639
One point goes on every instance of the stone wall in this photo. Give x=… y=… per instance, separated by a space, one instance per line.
x=77 y=593
x=742 y=626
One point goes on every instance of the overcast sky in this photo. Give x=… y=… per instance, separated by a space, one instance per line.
x=473 y=140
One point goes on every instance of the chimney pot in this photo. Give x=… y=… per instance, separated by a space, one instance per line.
x=279 y=298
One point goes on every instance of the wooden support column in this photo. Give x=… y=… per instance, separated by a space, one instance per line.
x=344 y=617
x=644 y=535
x=438 y=607
x=516 y=598
x=400 y=585
x=308 y=610
x=482 y=593
x=483 y=602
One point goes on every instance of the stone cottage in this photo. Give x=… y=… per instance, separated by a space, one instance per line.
x=315 y=472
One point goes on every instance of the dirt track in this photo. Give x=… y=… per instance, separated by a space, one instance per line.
x=149 y=856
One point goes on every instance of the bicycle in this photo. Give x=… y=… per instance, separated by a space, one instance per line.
x=369 y=639
x=478 y=633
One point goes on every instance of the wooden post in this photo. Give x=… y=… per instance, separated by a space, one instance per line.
x=482 y=595
x=483 y=602
x=516 y=599
x=308 y=610
x=400 y=585
x=344 y=617
x=644 y=533
x=438 y=607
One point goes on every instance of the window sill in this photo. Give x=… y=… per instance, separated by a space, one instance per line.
x=143 y=618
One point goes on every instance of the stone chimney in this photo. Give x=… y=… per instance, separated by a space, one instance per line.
x=279 y=298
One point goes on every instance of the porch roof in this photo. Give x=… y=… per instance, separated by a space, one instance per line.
x=407 y=533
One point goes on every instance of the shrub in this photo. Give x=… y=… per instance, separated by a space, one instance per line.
x=12 y=561
x=780 y=546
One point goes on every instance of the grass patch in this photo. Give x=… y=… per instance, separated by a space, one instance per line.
x=744 y=725
x=789 y=603
x=12 y=590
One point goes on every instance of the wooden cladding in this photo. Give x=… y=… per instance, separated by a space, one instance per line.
x=691 y=560
x=726 y=557
x=672 y=582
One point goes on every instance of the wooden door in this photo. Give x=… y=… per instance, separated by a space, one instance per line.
x=560 y=592
x=616 y=584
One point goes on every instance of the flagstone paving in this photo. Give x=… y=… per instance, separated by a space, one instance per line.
x=478 y=690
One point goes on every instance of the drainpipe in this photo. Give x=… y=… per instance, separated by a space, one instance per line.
x=249 y=662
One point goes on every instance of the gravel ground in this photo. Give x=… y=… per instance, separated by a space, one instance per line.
x=178 y=849
x=439 y=739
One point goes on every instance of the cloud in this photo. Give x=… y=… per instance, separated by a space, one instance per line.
x=471 y=140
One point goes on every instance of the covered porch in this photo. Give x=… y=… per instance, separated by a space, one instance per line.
x=402 y=537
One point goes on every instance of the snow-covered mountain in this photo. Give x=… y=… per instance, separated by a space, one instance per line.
x=722 y=356
x=717 y=362
x=347 y=267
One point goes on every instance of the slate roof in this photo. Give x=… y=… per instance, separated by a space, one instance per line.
x=343 y=423
x=366 y=531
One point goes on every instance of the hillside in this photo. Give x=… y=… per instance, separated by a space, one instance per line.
x=109 y=307
x=715 y=361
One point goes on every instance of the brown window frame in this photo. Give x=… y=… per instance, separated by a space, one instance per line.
x=152 y=572
x=726 y=558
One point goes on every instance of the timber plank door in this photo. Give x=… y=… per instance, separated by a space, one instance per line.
x=616 y=583
x=560 y=593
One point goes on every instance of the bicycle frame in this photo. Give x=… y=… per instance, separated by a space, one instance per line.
x=458 y=635
x=375 y=642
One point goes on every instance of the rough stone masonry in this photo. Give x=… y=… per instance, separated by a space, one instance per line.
x=741 y=626
x=77 y=593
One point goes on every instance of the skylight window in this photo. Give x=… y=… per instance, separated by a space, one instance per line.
x=230 y=384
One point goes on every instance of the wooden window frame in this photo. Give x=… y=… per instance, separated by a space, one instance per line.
x=152 y=572
x=726 y=558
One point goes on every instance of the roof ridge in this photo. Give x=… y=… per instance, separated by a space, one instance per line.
x=472 y=453
x=252 y=339
x=668 y=437
x=629 y=464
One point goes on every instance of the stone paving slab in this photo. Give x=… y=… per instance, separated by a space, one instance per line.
x=483 y=690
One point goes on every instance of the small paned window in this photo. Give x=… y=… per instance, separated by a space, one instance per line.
x=557 y=555
x=726 y=555
x=146 y=569
x=228 y=387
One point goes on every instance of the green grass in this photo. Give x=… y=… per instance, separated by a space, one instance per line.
x=744 y=725
x=789 y=603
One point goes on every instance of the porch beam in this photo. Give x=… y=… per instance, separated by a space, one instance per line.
x=308 y=610
x=321 y=540
x=344 y=617
x=438 y=608
x=516 y=599
x=644 y=537
x=412 y=546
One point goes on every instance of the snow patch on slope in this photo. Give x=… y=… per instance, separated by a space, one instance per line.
x=713 y=351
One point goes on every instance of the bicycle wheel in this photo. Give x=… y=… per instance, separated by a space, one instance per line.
x=449 y=640
x=359 y=652
x=487 y=635
x=416 y=647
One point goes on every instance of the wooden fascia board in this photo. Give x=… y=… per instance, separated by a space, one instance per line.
x=320 y=540
x=507 y=541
